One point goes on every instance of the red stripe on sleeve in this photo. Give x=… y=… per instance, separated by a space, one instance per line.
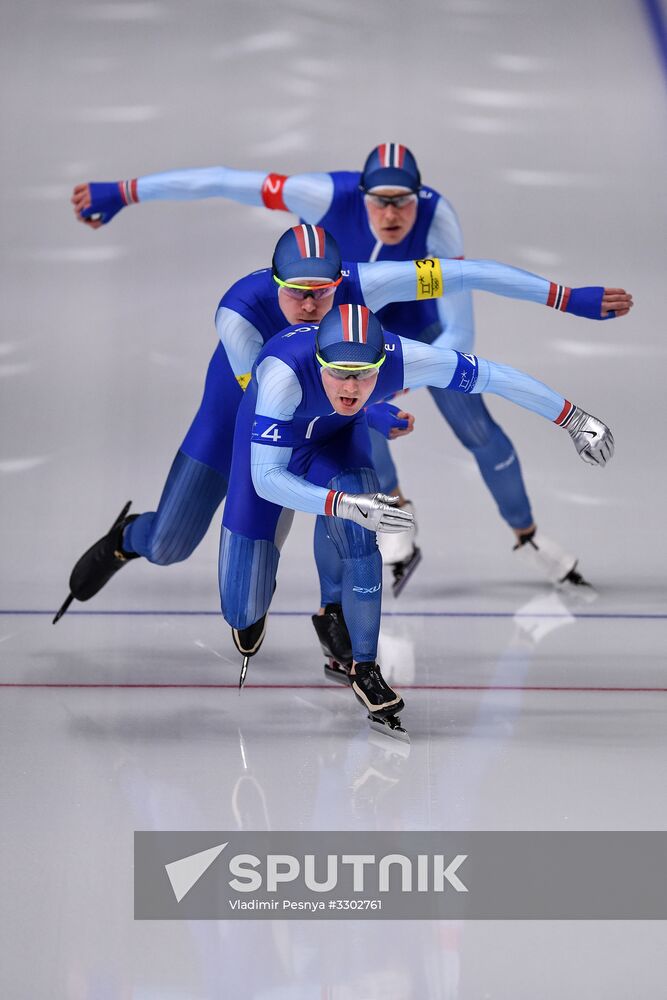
x=566 y=299
x=328 y=503
x=564 y=412
x=272 y=192
x=553 y=292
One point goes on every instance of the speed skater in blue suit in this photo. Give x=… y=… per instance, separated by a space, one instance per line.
x=302 y=443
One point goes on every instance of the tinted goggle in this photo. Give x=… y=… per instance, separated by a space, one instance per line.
x=301 y=292
x=343 y=372
x=396 y=201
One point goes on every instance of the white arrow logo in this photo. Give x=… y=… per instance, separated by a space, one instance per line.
x=186 y=872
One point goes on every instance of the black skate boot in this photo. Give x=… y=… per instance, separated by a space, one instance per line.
x=335 y=642
x=96 y=566
x=248 y=641
x=380 y=701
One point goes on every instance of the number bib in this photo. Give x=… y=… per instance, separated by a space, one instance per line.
x=279 y=433
x=429 y=278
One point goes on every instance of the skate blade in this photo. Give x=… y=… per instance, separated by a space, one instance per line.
x=121 y=516
x=63 y=608
x=244 y=671
x=576 y=589
x=391 y=750
x=389 y=727
x=337 y=676
x=403 y=571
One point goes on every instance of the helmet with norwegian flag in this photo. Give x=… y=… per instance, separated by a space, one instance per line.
x=306 y=252
x=350 y=335
x=391 y=165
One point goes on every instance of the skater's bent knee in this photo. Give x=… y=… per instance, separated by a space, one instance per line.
x=165 y=550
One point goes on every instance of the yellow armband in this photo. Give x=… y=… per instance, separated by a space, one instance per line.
x=429 y=278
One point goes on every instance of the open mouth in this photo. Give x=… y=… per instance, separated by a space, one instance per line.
x=349 y=401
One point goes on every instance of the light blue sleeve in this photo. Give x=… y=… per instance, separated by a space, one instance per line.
x=396 y=281
x=244 y=186
x=278 y=395
x=307 y=195
x=241 y=340
x=492 y=276
x=445 y=237
x=427 y=365
x=457 y=323
x=455 y=312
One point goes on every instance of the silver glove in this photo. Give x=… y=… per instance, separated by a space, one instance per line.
x=374 y=511
x=592 y=439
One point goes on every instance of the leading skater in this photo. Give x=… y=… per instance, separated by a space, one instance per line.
x=291 y=452
x=383 y=213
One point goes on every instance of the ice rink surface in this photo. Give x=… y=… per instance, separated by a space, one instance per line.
x=528 y=709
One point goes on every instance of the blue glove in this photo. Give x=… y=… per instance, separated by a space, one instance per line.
x=106 y=201
x=383 y=417
x=587 y=302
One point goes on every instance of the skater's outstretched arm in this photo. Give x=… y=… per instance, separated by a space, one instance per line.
x=445 y=369
x=400 y=281
x=307 y=195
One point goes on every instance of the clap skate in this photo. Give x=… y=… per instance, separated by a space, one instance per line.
x=335 y=642
x=402 y=571
x=399 y=552
x=248 y=641
x=380 y=701
x=559 y=566
x=99 y=563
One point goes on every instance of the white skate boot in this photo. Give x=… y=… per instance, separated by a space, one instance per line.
x=553 y=562
x=398 y=550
